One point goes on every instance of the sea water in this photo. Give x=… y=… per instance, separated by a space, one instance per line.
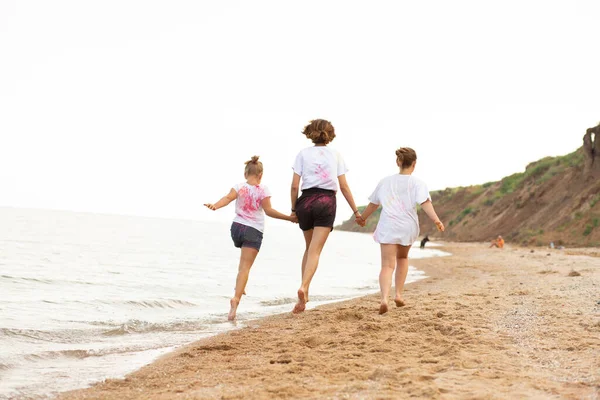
x=85 y=297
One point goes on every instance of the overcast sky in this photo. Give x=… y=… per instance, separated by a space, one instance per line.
x=151 y=107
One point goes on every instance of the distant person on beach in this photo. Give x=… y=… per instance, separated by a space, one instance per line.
x=398 y=225
x=498 y=242
x=425 y=240
x=251 y=199
x=320 y=169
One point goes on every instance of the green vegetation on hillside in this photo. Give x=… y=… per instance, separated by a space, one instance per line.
x=541 y=171
x=536 y=173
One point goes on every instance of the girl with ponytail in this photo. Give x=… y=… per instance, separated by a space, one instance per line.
x=320 y=169
x=251 y=200
x=398 y=225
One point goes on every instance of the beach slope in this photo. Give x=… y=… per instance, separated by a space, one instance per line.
x=487 y=323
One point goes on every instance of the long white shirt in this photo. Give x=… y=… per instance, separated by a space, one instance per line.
x=399 y=195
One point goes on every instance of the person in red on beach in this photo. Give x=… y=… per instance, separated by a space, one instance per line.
x=320 y=169
x=251 y=199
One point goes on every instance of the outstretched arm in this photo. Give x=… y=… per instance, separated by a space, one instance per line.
x=273 y=213
x=225 y=200
x=427 y=206
x=345 y=188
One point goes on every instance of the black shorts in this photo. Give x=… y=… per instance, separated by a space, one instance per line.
x=246 y=236
x=316 y=207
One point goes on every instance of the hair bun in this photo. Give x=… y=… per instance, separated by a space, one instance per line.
x=253 y=167
x=405 y=156
x=320 y=131
x=253 y=160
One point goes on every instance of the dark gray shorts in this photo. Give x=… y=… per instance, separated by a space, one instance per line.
x=246 y=236
x=316 y=207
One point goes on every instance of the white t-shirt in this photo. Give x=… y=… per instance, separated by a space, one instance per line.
x=319 y=167
x=248 y=205
x=399 y=196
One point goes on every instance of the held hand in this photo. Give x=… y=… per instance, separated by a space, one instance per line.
x=210 y=206
x=360 y=220
x=440 y=226
x=293 y=218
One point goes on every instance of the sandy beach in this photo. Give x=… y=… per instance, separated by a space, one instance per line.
x=486 y=324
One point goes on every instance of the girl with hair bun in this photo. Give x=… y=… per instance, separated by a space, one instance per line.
x=251 y=199
x=398 y=225
x=320 y=169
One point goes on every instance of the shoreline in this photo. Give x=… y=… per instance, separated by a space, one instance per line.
x=237 y=325
x=485 y=323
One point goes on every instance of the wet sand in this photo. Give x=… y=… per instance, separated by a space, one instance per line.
x=486 y=324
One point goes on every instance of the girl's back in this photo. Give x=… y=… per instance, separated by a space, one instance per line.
x=399 y=195
x=319 y=167
x=248 y=208
x=398 y=225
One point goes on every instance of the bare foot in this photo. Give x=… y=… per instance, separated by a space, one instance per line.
x=399 y=302
x=234 y=305
x=383 y=308
x=301 y=304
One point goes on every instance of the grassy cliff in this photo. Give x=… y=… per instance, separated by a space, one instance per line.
x=553 y=200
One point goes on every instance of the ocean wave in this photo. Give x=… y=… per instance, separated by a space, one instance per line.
x=278 y=302
x=80 y=354
x=166 y=303
x=329 y=298
x=50 y=355
x=136 y=326
x=21 y=278
x=291 y=300
x=371 y=287
x=53 y=336
x=26 y=333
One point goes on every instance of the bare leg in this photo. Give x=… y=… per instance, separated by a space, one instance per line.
x=319 y=237
x=401 y=272
x=307 y=238
x=388 y=264
x=247 y=258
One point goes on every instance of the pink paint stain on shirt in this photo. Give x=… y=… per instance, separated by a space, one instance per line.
x=251 y=201
x=322 y=173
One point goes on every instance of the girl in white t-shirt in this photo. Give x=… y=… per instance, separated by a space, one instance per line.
x=251 y=199
x=320 y=169
x=398 y=225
